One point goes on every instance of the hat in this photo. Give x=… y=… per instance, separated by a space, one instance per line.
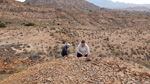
x=68 y=45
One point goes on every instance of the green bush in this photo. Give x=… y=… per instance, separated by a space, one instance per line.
x=41 y=53
x=2 y=25
x=103 y=55
x=64 y=41
x=30 y=24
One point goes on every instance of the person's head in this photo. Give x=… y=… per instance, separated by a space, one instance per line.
x=82 y=43
x=68 y=45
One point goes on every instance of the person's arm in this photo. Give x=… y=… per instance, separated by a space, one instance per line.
x=88 y=50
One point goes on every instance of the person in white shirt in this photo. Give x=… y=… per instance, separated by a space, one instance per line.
x=83 y=49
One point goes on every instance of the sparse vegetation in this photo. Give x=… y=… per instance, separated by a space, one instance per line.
x=3 y=76
x=64 y=41
x=30 y=24
x=139 y=61
x=117 y=53
x=52 y=34
x=8 y=22
x=41 y=53
x=103 y=55
x=2 y=25
x=52 y=28
x=133 y=51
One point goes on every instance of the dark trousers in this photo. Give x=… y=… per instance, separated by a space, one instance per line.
x=79 y=55
x=64 y=53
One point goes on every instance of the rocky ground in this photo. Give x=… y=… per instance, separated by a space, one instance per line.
x=73 y=70
x=23 y=47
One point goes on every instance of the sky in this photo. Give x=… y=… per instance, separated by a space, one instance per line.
x=125 y=1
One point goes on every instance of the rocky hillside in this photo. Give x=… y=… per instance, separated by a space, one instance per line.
x=79 y=4
x=22 y=47
x=78 y=71
x=119 y=45
x=7 y=1
x=21 y=13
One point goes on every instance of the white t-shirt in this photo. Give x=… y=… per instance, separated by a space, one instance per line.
x=84 y=50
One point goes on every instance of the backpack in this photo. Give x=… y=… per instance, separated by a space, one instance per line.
x=63 y=47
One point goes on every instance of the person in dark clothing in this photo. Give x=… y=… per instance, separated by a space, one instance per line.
x=64 y=50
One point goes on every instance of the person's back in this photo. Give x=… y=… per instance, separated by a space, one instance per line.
x=64 y=50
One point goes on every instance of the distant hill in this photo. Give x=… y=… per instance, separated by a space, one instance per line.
x=115 y=5
x=6 y=1
x=79 y=4
x=111 y=4
x=89 y=4
x=137 y=9
x=121 y=5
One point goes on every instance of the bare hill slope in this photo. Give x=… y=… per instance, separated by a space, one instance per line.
x=20 y=13
x=74 y=70
x=111 y=34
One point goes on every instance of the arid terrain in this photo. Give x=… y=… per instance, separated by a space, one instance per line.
x=119 y=44
x=78 y=71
